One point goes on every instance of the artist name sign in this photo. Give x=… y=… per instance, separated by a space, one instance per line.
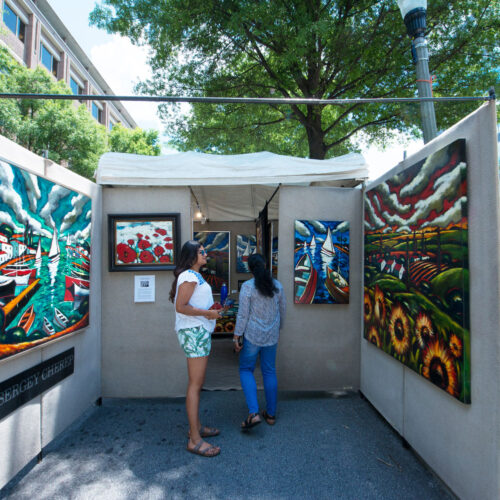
x=27 y=385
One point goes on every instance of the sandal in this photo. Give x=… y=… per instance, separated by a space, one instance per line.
x=207 y=452
x=270 y=419
x=206 y=432
x=252 y=420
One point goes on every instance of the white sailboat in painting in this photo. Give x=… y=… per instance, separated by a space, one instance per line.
x=38 y=255
x=312 y=245
x=328 y=250
x=54 y=252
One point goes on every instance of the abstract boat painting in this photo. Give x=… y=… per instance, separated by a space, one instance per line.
x=416 y=298
x=246 y=245
x=321 y=262
x=44 y=260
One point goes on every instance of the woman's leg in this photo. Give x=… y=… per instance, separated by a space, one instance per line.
x=197 y=368
x=248 y=358
x=268 y=368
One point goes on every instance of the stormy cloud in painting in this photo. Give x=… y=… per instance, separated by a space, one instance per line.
x=321 y=262
x=416 y=300
x=44 y=260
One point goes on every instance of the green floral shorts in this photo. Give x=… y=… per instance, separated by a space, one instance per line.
x=196 y=342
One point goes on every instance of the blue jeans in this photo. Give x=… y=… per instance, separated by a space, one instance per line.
x=248 y=359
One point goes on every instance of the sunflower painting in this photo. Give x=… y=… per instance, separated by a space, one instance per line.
x=416 y=297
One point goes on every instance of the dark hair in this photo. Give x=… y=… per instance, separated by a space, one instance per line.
x=188 y=256
x=263 y=279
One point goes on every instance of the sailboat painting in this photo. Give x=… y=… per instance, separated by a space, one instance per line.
x=44 y=260
x=246 y=245
x=321 y=262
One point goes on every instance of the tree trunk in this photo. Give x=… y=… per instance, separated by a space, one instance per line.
x=315 y=133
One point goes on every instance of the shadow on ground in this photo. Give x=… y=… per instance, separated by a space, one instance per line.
x=321 y=447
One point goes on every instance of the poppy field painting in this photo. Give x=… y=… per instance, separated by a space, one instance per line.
x=416 y=271
x=145 y=242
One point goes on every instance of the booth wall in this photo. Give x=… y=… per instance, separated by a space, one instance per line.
x=24 y=432
x=141 y=357
x=461 y=443
x=319 y=345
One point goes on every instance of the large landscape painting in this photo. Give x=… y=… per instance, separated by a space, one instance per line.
x=416 y=300
x=321 y=262
x=216 y=243
x=44 y=260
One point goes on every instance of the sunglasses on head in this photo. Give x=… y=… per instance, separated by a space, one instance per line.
x=202 y=252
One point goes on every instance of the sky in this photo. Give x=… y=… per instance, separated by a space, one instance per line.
x=123 y=65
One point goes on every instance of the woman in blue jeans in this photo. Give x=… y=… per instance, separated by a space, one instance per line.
x=260 y=317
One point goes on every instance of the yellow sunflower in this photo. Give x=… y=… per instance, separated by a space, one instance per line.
x=424 y=331
x=399 y=329
x=374 y=337
x=456 y=346
x=367 y=307
x=439 y=367
x=379 y=306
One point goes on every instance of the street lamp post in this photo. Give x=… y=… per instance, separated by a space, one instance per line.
x=414 y=14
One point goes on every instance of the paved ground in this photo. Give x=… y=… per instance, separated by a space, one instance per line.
x=321 y=447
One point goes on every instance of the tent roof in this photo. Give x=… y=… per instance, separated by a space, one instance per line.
x=252 y=178
x=201 y=169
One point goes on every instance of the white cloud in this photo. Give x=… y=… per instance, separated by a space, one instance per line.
x=123 y=65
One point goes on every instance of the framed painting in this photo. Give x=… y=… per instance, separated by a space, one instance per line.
x=321 y=262
x=216 y=244
x=416 y=268
x=45 y=259
x=246 y=245
x=143 y=242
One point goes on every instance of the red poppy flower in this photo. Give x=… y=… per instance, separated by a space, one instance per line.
x=139 y=235
x=143 y=244
x=159 y=250
x=130 y=242
x=155 y=235
x=161 y=231
x=168 y=238
x=165 y=259
x=169 y=246
x=147 y=237
x=125 y=253
x=146 y=256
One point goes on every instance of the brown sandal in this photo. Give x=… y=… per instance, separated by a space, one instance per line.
x=207 y=452
x=270 y=419
x=252 y=420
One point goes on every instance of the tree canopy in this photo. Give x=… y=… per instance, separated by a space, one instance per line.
x=69 y=133
x=308 y=49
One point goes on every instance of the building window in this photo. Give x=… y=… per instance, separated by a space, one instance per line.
x=111 y=125
x=96 y=112
x=13 y=22
x=48 y=60
x=76 y=88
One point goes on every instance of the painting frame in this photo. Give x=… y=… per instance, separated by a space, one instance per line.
x=114 y=219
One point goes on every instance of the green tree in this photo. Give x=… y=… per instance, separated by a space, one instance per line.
x=302 y=48
x=69 y=133
x=137 y=141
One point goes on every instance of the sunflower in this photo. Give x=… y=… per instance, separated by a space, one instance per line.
x=456 y=346
x=379 y=306
x=399 y=329
x=424 y=331
x=374 y=337
x=368 y=307
x=439 y=367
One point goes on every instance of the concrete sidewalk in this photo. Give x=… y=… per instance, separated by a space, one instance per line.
x=321 y=447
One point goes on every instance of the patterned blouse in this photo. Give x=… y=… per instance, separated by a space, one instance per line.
x=260 y=318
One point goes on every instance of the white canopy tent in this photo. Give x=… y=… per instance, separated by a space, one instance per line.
x=230 y=187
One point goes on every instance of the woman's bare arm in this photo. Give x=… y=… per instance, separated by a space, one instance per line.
x=182 y=305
